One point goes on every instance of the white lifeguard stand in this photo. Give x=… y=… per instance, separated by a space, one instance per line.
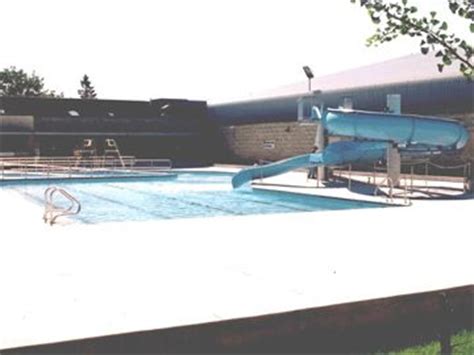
x=111 y=150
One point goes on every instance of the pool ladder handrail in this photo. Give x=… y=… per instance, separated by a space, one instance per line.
x=52 y=212
x=391 y=193
x=390 y=184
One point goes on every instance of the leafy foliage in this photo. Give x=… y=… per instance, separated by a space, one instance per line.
x=16 y=82
x=399 y=18
x=87 y=92
x=462 y=343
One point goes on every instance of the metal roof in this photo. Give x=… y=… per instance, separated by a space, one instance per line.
x=407 y=69
x=415 y=77
x=67 y=107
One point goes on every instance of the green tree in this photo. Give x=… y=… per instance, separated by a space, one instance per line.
x=16 y=82
x=399 y=18
x=87 y=92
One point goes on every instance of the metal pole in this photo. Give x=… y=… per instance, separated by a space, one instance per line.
x=426 y=175
x=471 y=176
x=350 y=177
x=406 y=192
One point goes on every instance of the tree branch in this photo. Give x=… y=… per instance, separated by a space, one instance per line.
x=453 y=51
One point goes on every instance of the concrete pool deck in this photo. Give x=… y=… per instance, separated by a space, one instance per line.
x=81 y=281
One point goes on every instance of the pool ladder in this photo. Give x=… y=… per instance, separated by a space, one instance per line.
x=52 y=212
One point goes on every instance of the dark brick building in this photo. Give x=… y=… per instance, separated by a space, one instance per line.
x=163 y=128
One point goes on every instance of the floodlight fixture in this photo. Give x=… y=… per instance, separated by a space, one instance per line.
x=309 y=74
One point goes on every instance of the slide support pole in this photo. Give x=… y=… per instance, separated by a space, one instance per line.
x=394 y=165
x=319 y=142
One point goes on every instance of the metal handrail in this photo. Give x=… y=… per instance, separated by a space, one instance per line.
x=68 y=160
x=52 y=212
x=465 y=166
x=391 y=193
x=31 y=167
x=337 y=171
x=390 y=186
x=404 y=193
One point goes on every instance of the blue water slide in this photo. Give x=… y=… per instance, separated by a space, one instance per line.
x=377 y=130
x=405 y=130
x=335 y=154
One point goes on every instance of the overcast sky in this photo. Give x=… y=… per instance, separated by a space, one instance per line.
x=214 y=50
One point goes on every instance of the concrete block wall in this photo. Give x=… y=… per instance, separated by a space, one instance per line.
x=268 y=141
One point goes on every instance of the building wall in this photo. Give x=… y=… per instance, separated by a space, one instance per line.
x=442 y=98
x=268 y=141
x=246 y=125
x=251 y=142
x=165 y=128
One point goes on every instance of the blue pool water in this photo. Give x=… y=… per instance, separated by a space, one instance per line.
x=184 y=195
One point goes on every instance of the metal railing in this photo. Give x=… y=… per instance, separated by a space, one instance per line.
x=71 y=167
x=339 y=170
x=346 y=171
x=407 y=186
x=378 y=187
x=466 y=169
x=425 y=176
x=52 y=212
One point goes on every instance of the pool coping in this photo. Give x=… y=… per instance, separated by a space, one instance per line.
x=90 y=179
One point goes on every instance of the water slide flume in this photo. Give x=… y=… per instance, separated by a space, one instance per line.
x=377 y=131
x=335 y=154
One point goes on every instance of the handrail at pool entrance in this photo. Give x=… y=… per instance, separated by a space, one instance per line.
x=68 y=167
x=393 y=192
x=378 y=187
x=53 y=212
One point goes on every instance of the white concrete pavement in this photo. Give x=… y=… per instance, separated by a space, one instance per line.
x=77 y=281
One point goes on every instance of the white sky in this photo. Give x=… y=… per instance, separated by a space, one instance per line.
x=214 y=50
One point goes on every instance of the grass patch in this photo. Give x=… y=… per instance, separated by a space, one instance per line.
x=462 y=344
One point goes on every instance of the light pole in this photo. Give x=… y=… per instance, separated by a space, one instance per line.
x=309 y=75
x=319 y=140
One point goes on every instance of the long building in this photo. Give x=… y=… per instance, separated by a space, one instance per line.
x=274 y=125
x=163 y=128
x=271 y=126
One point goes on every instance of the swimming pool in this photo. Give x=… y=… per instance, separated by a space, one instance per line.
x=184 y=195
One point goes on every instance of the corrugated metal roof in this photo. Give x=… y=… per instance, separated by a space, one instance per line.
x=411 y=68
